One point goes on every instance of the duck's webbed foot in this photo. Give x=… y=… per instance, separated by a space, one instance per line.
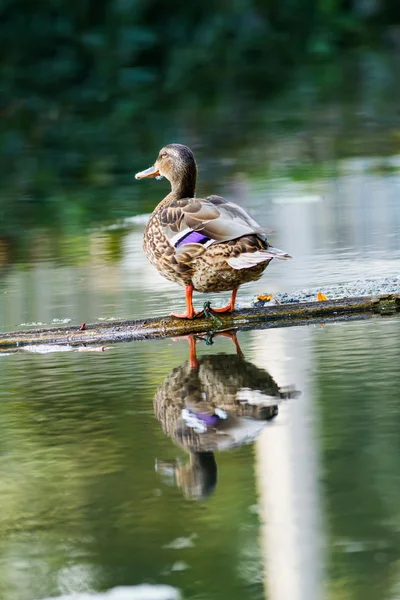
x=223 y=309
x=190 y=311
x=189 y=314
x=186 y=315
x=229 y=307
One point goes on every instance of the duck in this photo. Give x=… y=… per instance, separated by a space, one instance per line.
x=204 y=244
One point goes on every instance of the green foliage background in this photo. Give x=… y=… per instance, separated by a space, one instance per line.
x=90 y=87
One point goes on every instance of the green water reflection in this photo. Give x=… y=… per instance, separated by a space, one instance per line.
x=361 y=469
x=318 y=163
x=86 y=506
x=79 y=446
x=339 y=227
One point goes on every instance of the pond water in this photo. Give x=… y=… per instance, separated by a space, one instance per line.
x=340 y=226
x=105 y=484
x=266 y=467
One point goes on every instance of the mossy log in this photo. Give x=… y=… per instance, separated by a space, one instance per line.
x=281 y=315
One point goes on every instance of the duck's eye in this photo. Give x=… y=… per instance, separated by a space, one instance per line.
x=163 y=155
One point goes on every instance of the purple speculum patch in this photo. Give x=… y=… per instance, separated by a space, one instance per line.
x=192 y=237
x=208 y=420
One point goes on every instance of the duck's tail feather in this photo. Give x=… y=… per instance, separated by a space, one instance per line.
x=249 y=259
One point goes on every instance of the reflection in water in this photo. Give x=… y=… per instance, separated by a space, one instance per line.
x=309 y=512
x=213 y=403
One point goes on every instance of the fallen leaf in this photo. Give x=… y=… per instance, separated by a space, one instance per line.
x=265 y=297
x=321 y=296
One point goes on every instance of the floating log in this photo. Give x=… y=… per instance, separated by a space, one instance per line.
x=280 y=315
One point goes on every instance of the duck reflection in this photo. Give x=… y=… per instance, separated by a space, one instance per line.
x=213 y=403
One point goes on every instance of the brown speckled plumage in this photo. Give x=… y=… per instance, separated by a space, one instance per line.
x=235 y=250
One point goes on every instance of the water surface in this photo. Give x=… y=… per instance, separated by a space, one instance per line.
x=99 y=491
x=339 y=227
x=293 y=490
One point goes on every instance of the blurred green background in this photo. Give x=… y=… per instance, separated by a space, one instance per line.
x=90 y=89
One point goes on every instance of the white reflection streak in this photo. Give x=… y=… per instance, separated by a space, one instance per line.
x=286 y=471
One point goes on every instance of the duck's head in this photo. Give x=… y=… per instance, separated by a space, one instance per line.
x=175 y=162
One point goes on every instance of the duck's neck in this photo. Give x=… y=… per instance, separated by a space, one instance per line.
x=182 y=187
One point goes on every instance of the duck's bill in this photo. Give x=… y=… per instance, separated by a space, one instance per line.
x=150 y=172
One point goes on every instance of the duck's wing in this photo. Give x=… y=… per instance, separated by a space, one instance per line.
x=206 y=221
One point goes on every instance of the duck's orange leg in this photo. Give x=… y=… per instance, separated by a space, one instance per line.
x=232 y=336
x=190 y=312
x=230 y=307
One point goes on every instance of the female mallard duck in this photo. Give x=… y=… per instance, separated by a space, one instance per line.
x=206 y=244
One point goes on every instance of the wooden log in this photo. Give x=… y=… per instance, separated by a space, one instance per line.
x=281 y=315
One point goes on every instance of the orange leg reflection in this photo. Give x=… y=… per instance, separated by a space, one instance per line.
x=193 y=339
